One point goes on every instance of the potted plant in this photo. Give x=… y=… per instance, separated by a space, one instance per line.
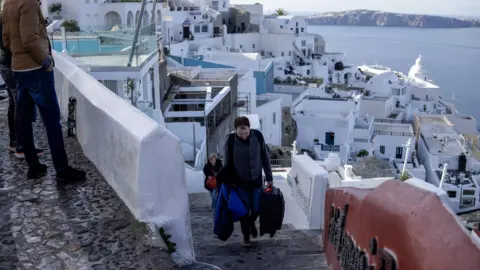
x=404 y=176
x=70 y=26
x=362 y=153
x=55 y=8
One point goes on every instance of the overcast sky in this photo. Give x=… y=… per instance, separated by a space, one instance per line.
x=437 y=7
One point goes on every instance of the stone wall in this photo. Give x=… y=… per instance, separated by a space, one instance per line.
x=396 y=225
x=140 y=159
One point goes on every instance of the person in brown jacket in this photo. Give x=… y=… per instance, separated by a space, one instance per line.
x=25 y=35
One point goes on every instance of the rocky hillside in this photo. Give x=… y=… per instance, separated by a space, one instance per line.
x=378 y=18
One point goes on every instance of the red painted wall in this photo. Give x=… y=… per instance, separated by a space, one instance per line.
x=420 y=232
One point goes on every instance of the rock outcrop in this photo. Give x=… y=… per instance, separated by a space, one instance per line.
x=379 y=18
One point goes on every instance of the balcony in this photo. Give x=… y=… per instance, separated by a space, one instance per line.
x=330 y=148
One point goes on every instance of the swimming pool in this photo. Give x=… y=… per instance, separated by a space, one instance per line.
x=86 y=46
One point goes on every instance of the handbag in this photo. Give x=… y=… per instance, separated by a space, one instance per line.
x=212 y=182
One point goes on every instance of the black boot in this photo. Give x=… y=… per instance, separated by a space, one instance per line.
x=246 y=240
x=70 y=175
x=37 y=171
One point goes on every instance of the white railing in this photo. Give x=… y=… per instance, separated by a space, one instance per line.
x=140 y=159
x=201 y=156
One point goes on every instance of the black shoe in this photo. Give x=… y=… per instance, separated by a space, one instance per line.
x=254 y=231
x=71 y=175
x=246 y=241
x=37 y=171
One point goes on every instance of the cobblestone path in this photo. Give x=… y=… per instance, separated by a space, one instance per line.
x=72 y=227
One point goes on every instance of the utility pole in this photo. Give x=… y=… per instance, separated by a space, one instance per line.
x=444 y=173
x=137 y=32
x=407 y=152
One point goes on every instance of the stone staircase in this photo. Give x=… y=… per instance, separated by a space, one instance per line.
x=288 y=249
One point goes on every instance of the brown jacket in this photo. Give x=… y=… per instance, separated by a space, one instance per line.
x=25 y=33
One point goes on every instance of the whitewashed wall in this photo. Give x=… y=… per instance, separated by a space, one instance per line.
x=270 y=115
x=308 y=182
x=138 y=157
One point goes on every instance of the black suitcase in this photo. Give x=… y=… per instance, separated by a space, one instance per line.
x=272 y=211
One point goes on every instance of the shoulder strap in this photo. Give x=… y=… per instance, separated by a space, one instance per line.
x=231 y=141
x=259 y=136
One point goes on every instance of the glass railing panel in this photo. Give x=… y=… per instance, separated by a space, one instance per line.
x=96 y=46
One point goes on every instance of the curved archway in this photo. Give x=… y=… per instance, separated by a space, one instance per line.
x=112 y=18
x=145 y=20
x=130 y=21
x=137 y=15
x=159 y=18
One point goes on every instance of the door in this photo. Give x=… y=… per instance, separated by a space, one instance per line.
x=186 y=32
x=329 y=138
x=399 y=153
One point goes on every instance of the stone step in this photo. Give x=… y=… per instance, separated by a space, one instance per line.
x=288 y=249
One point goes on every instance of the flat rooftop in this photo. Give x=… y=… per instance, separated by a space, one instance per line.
x=440 y=136
x=373 y=167
x=436 y=146
x=471 y=217
x=119 y=60
x=393 y=129
x=205 y=74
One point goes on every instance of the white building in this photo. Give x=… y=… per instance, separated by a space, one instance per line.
x=448 y=160
x=390 y=139
x=326 y=125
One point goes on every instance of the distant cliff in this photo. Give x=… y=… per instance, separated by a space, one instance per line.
x=379 y=18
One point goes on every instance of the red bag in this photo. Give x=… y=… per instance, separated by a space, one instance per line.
x=212 y=182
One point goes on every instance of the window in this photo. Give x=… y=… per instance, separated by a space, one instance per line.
x=301 y=30
x=196 y=28
x=253 y=46
x=262 y=53
x=205 y=28
x=194 y=17
x=329 y=138
x=289 y=53
x=281 y=26
x=296 y=24
x=274 y=118
x=452 y=193
x=382 y=149
x=469 y=192
x=283 y=54
x=308 y=71
x=241 y=46
x=304 y=43
x=397 y=104
x=399 y=153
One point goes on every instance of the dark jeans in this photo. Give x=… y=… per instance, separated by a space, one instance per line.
x=251 y=198
x=37 y=87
